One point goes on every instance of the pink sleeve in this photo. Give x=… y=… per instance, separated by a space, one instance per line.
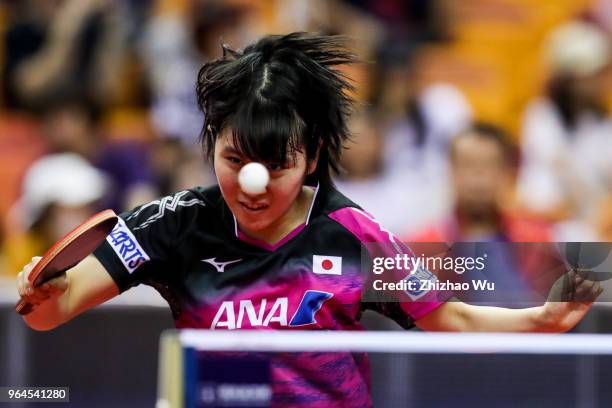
x=363 y=226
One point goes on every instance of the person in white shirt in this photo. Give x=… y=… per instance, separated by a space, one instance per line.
x=567 y=134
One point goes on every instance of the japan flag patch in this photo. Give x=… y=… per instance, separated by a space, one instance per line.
x=327 y=265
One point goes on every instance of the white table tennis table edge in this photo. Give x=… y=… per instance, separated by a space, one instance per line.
x=397 y=342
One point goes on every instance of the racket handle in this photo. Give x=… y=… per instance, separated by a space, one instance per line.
x=23 y=308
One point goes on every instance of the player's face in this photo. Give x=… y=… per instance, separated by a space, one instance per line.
x=263 y=214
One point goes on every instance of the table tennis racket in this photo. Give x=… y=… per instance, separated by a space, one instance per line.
x=69 y=251
x=589 y=259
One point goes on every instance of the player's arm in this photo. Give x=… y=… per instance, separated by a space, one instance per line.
x=554 y=316
x=461 y=317
x=82 y=287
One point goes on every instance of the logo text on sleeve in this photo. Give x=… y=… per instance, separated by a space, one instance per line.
x=126 y=247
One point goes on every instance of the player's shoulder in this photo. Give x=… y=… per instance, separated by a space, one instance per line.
x=329 y=200
x=338 y=208
x=190 y=203
x=351 y=217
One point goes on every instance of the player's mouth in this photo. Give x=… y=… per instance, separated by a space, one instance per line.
x=253 y=207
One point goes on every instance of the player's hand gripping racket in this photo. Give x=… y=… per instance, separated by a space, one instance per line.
x=69 y=251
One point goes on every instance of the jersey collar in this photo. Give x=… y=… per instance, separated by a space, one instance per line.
x=252 y=241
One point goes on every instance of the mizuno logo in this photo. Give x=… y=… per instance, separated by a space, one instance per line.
x=220 y=266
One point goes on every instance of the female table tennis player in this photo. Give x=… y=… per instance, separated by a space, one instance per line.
x=286 y=258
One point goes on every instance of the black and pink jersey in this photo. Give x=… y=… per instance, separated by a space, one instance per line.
x=189 y=247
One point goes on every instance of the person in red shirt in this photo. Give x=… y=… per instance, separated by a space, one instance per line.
x=483 y=167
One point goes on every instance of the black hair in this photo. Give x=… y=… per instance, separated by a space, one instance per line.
x=493 y=133
x=279 y=96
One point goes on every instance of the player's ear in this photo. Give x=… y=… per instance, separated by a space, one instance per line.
x=312 y=163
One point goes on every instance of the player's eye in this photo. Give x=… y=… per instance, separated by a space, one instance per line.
x=234 y=160
x=275 y=166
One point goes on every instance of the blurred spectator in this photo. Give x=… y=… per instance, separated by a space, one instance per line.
x=419 y=136
x=415 y=125
x=483 y=174
x=567 y=148
x=369 y=181
x=59 y=192
x=73 y=126
x=178 y=39
x=406 y=158
x=61 y=47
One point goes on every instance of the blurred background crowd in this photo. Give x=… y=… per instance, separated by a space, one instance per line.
x=478 y=120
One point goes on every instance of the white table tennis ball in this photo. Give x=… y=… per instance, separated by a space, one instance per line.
x=253 y=178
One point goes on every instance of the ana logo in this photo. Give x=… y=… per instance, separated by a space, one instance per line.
x=220 y=266
x=229 y=318
x=327 y=265
x=126 y=246
x=311 y=302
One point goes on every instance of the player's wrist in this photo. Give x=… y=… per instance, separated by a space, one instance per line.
x=51 y=310
x=547 y=319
